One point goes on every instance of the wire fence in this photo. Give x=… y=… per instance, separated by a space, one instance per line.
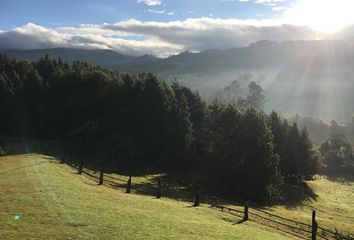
x=240 y=209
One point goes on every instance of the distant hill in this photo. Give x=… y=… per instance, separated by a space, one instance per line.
x=107 y=58
x=313 y=78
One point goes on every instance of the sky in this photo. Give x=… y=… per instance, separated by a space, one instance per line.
x=168 y=27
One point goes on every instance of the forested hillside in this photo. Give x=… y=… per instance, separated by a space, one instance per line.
x=102 y=57
x=311 y=78
x=115 y=121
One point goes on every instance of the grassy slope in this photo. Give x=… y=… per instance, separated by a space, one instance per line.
x=55 y=203
x=334 y=204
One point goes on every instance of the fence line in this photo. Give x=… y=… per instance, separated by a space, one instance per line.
x=280 y=223
x=292 y=228
x=322 y=234
x=282 y=218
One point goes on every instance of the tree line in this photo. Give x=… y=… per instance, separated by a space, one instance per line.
x=118 y=121
x=335 y=144
x=337 y=152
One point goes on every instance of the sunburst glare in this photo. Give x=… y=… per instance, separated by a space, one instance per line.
x=327 y=16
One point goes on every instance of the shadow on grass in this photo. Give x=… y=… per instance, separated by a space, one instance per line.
x=340 y=178
x=294 y=195
x=240 y=221
x=181 y=187
x=169 y=189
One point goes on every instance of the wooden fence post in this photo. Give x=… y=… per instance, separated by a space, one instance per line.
x=158 y=195
x=314 y=225
x=81 y=166
x=196 y=200
x=101 y=178
x=129 y=184
x=245 y=214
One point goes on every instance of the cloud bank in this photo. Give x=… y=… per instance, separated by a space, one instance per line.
x=134 y=37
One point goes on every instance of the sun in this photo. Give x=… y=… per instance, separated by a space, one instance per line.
x=327 y=16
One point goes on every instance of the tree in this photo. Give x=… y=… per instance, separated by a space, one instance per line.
x=233 y=91
x=260 y=168
x=196 y=105
x=336 y=151
x=255 y=96
x=254 y=99
x=308 y=156
x=181 y=133
x=280 y=131
x=141 y=123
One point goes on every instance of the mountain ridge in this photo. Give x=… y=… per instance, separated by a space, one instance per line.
x=312 y=78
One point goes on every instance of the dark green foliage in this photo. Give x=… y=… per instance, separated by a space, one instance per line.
x=260 y=164
x=256 y=96
x=239 y=157
x=309 y=158
x=336 y=151
x=319 y=130
x=132 y=123
x=254 y=99
x=298 y=158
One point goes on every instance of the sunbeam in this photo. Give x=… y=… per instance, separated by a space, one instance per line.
x=327 y=16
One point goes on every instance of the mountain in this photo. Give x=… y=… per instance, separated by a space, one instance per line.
x=103 y=57
x=312 y=78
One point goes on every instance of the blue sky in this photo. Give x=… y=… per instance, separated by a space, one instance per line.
x=168 y=27
x=50 y=13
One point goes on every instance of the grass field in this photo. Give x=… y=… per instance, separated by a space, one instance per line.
x=333 y=200
x=53 y=202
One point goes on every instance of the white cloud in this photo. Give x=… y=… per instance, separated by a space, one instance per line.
x=156 y=11
x=226 y=1
x=268 y=1
x=274 y=4
x=151 y=2
x=164 y=11
x=32 y=36
x=199 y=34
x=279 y=9
x=134 y=37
